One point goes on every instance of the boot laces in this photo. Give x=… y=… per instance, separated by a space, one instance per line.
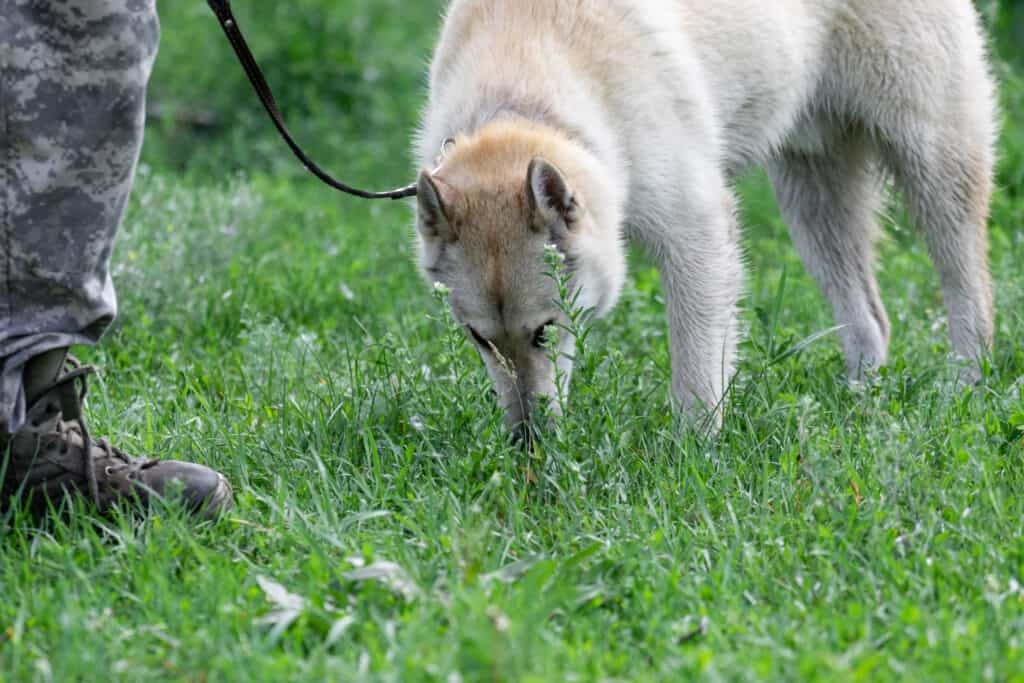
x=72 y=422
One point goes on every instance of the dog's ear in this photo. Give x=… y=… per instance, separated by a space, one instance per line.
x=431 y=216
x=551 y=199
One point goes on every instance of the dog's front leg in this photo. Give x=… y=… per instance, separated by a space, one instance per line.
x=702 y=273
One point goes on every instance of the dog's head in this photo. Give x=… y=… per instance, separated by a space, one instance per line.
x=484 y=220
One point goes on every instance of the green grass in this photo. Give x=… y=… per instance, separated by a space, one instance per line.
x=280 y=333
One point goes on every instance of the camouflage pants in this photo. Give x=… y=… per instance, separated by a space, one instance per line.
x=73 y=77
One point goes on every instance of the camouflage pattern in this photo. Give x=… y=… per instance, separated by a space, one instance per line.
x=73 y=78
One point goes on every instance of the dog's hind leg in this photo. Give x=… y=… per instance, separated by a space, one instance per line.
x=930 y=107
x=945 y=173
x=829 y=202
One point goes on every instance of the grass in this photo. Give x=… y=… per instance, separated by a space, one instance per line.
x=385 y=529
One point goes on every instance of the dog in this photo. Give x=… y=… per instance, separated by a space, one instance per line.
x=586 y=123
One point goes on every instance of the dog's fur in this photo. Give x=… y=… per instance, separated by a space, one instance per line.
x=584 y=122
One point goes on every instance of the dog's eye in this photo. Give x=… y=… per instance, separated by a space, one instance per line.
x=540 y=336
x=483 y=343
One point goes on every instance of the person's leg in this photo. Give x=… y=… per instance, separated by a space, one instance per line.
x=71 y=117
x=73 y=80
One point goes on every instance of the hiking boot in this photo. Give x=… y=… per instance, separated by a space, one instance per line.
x=54 y=455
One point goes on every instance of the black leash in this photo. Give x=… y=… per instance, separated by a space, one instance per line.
x=222 y=8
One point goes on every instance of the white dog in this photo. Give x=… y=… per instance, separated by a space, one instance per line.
x=586 y=122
